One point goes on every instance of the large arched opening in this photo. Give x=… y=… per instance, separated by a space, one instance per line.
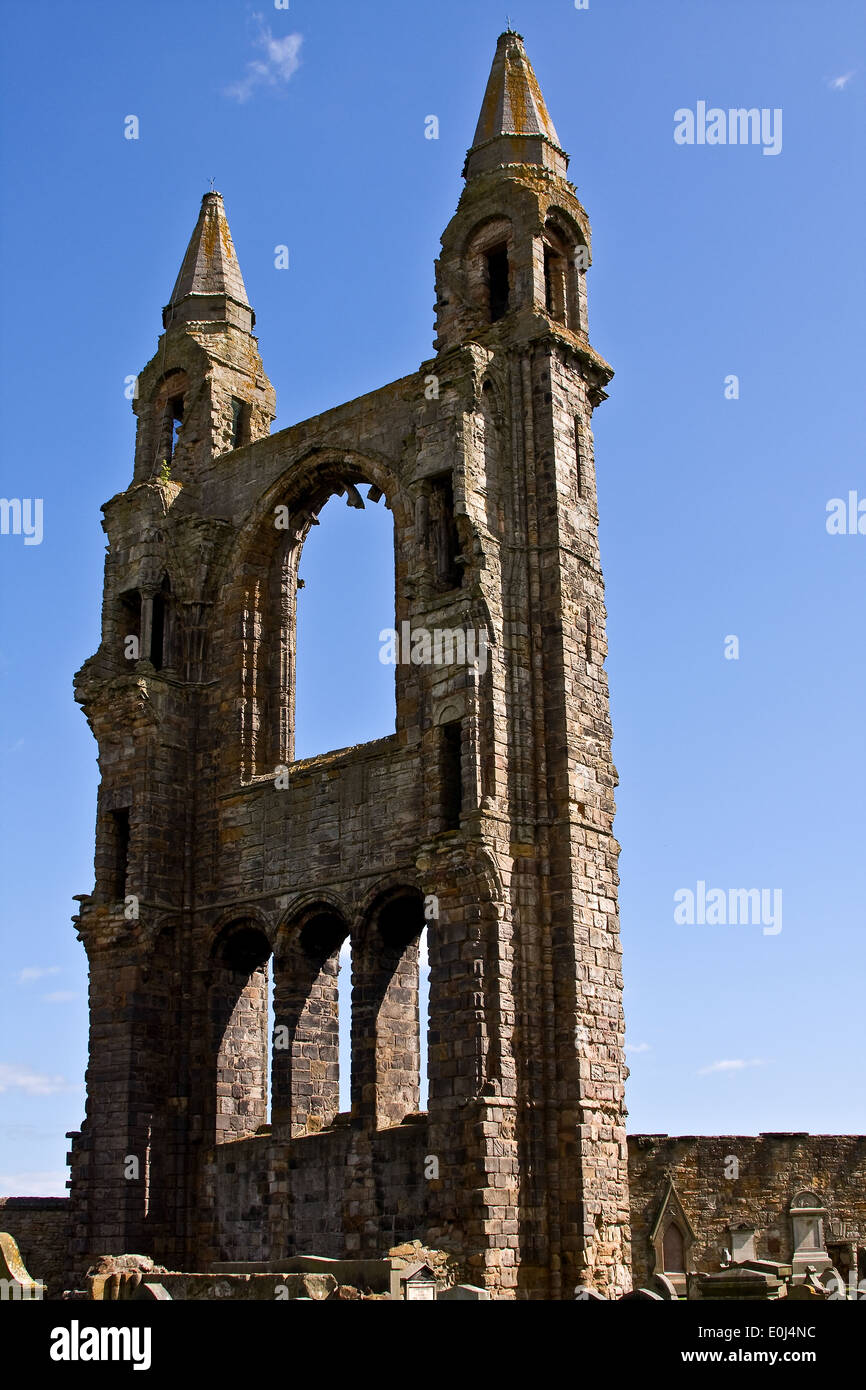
x=344 y=694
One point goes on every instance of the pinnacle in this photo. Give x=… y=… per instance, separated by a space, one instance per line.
x=210 y=277
x=515 y=125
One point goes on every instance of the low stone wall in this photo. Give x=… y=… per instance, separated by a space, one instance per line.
x=743 y=1180
x=306 y=1197
x=342 y=1193
x=40 y=1226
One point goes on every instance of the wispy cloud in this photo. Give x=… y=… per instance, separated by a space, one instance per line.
x=638 y=1047
x=37 y=972
x=732 y=1064
x=280 y=62
x=32 y=1083
x=60 y=996
x=33 y=1184
x=838 y=84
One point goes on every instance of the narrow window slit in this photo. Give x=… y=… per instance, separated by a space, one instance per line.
x=444 y=535
x=451 y=774
x=497 y=282
x=119 y=834
x=241 y=412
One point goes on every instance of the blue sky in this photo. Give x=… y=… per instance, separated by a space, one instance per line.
x=708 y=262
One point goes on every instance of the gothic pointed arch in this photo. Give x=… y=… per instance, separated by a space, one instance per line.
x=671 y=1238
x=263 y=587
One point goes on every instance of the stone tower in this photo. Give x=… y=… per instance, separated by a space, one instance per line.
x=224 y=867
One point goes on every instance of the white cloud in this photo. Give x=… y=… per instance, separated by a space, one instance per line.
x=638 y=1047
x=34 y=1184
x=60 y=996
x=838 y=84
x=732 y=1064
x=280 y=63
x=36 y=972
x=32 y=1083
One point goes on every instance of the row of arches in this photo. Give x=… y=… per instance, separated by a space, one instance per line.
x=277 y=1015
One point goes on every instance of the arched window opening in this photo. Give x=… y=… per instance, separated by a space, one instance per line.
x=491 y=424
x=386 y=1042
x=498 y=289
x=161 y=422
x=306 y=1034
x=554 y=285
x=172 y=420
x=674 y=1250
x=130 y=624
x=239 y=1032
x=443 y=537
x=241 y=423
x=560 y=277
x=117 y=826
x=450 y=774
x=344 y=1009
x=344 y=693
x=487 y=263
x=424 y=1017
x=159 y=626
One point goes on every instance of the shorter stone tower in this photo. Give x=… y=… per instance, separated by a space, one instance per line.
x=223 y=864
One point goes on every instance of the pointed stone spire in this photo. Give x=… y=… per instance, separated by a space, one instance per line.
x=210 y=287
x=514 y=126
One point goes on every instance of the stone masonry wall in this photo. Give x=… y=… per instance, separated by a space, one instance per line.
x=772 y=1170
x=41 y=1227
x=339 y=1194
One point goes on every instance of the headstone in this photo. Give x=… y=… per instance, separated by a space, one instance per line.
x=735 y=1282
x=663 y=1287
x=468 y=1293
x=742 y=1243
x=807 y=1221
x=833 y=1283
x=418 y=1283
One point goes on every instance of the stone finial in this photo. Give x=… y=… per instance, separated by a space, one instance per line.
x=515 y=125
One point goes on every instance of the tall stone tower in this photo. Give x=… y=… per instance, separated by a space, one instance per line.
x=225 y=868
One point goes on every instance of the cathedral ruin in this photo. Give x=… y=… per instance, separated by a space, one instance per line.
x=224 y=866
